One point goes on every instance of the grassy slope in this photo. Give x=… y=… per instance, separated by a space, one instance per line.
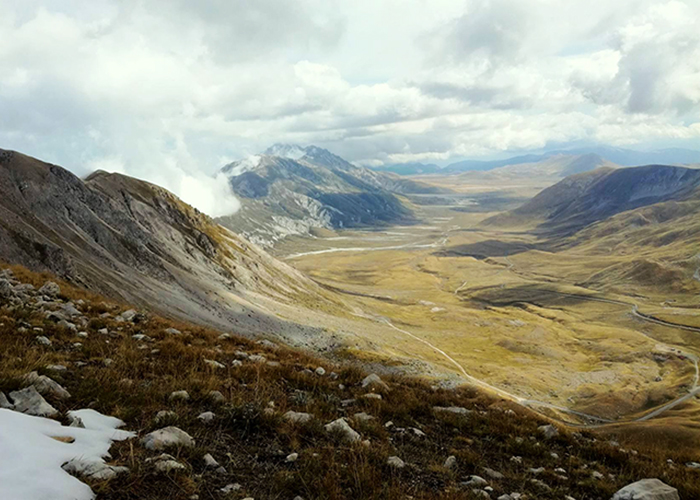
x=253 y=444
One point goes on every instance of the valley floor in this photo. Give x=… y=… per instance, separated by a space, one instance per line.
x=505 y=311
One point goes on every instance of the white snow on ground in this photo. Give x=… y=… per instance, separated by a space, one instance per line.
x=30 y=460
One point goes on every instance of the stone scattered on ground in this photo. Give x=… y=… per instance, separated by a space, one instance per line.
x=457 y=410
x=475 y=481
x=166 y=438
x=50 y=289
x=216 y=397
x=647 y=489
x=93 y=470
x=230 y=488
x=164 y=415
x=549 y=431
x=493 y=474
x=298 y=417
x=46 y=386
x=29 y=401
x=214 y=364
x=450 y=462
x=172 y=331
x=395 y=462
x=206 y=417
x=179 y=396
x=292 y=457
x=342 y=427
x=210 y=461
x=374 y=381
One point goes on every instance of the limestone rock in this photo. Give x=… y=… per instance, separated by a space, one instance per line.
x=46 y=386
x=166 y=438
x=50 y=289
x=343 y=428
x=457 y=410
x=647 y=489
x=94 y=470
x=4 y=403
x=29 y=401
x=374 y=381
x=298 y=417
x=395 y=462
x=549 y=431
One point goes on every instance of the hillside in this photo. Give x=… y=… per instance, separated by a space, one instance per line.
x=293 y=190
x=212 y=415
x=585 y=198
x=138 y=243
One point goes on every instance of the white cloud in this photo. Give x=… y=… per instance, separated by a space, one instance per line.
x=165 y=94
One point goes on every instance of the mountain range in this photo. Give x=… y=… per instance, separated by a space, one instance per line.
x=290 y=189
x=138 y=243
x=582 y=199
x=618 y=156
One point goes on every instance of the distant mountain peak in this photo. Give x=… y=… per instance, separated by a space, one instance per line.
x=291 y=151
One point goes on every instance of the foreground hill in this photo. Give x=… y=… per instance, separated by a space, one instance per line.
x=294 y=190
x=221 y=416
x=580 y=200
x=137 y=242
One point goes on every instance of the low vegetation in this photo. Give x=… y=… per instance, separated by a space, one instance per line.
x=131 y=370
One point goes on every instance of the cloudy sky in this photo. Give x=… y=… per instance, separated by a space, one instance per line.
x=170 y=91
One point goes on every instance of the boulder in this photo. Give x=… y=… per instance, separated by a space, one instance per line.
x=342 y=427
x=29 y=401
x=647 y=489
x=167 y=437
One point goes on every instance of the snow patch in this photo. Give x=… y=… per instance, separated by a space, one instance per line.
x=31 y=457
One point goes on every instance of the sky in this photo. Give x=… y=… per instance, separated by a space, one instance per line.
x=171 y=91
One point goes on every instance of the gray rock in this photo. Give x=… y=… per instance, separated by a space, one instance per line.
x=46 y=386
x=216 y=397
x=292 y=457
x=549 y=431
x=451 y=462
x=297 y=417
x=476 y=481
x=128 y=315
x=647 y=489
x=4 y=403
x=29 y=401
x=165 y=466
x=268 y=344
x=362 y=417
x=42 y=340
x=372 y=395
x=320 y=371
x=172 y=331
x=374 y=381
x=6 y=290
x=167 y=438
x=214 y=364
x=93 y=470
x=230 y=488
x=493 y=474
x=50 y=289
x=457 y=410
x=395 y=462
x=257 y=358
x=236 y=363
x=210 y=462
x=56 y=368
x=342 y=427
x=179 y=396
x=206 y=417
